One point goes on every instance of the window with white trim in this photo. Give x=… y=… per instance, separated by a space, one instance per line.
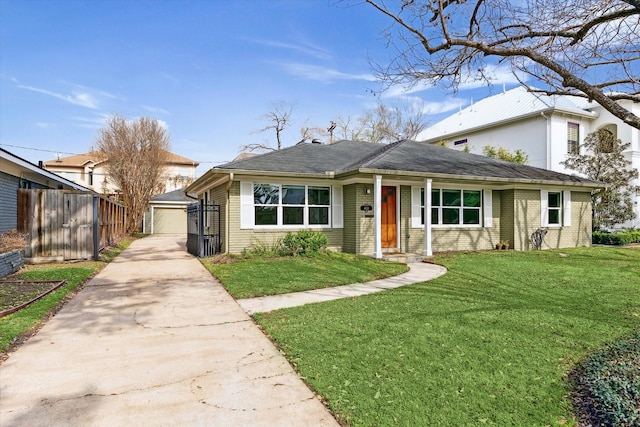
x=453 y=207
x=573 y=138
x=291 y=205
x=554 y=208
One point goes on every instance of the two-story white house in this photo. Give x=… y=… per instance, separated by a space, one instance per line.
x=546 y=128
x=90 y=171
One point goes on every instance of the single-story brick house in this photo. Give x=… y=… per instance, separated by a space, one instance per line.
x=369 y=199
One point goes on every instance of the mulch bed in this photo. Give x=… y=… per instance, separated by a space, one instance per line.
x=17 y=294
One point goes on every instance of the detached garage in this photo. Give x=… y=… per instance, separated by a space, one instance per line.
x=167 y=213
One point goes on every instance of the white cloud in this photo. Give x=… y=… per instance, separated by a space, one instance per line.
x=323 y=74
x=75 y=98
x=45 y=125
x=402 y=90
x=99 y=121
x=96 y=122
x=78 y=94
x=305 y=48
x=447 y=104
x=498 y=74
x=155 y=110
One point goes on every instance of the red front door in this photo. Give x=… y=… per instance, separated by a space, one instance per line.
x=388 y=218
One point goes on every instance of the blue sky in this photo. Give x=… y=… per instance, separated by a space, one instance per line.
x=208 y=69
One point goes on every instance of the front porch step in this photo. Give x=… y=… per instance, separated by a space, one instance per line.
x=403 y=258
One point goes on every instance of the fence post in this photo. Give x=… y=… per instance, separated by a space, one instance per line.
x=96 y=229
x=201 y=229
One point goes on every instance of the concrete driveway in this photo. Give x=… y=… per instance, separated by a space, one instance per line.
x=154 y=340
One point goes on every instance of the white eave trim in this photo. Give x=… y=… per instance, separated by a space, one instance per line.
x=482 y=179
x=41 y=171
x=579 y=113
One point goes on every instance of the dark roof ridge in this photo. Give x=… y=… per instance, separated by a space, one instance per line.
x=268 y=153
x=375 y=156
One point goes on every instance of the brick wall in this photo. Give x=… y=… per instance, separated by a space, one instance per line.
x=349 y=237
x=527 y=219
x=449 y=238
x=579 y=233
x=241 y=239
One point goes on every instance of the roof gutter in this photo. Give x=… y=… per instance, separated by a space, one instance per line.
x=325 y=175
x=581 y=113
x=548 y=156
x=589 y=185
x=32 y=168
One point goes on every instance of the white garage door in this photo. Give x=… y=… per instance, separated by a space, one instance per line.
x=169 y=221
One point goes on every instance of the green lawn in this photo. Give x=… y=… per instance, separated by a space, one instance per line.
x=259 y=276
x=489 y=343
x=31 y=317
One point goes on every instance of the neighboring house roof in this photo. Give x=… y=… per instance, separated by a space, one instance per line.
x=243 y=156
x=80 y=160
x=77 y=160
x=17 y=166
x=405 y=158
x=173 y=196
x=514 y=104
x=180 y=160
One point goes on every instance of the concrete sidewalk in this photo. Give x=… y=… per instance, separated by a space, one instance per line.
x=154 y=340
x=418 y=272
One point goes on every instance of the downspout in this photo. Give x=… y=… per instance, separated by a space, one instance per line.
x=548 y=156
x=152 y=219
x=377 y=217
x=96 y=229
x=427 y=218
x=226 y=213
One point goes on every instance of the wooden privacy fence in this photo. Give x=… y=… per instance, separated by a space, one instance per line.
x=68 y=225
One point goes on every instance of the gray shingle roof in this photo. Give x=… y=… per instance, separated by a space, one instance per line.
x=403 y=156
x=173 y=196
x=307 y=158
x=431 y=159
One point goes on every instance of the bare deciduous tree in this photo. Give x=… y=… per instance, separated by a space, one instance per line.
x=308 y=132
x=348 y=128
x=382 y=124
x=136 y=153
x=587 y=48
x=385 y=123
x=278 y=119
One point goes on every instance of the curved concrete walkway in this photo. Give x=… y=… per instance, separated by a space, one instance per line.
x=418 y=272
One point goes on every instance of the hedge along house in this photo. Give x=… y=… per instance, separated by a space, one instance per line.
x=369 y=199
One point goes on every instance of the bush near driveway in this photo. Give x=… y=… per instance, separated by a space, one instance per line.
x=491 y=342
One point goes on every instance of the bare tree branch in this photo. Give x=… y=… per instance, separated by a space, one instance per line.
x=136 y=153
x=278 y=120
x=576 y=47
x=250 y=148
